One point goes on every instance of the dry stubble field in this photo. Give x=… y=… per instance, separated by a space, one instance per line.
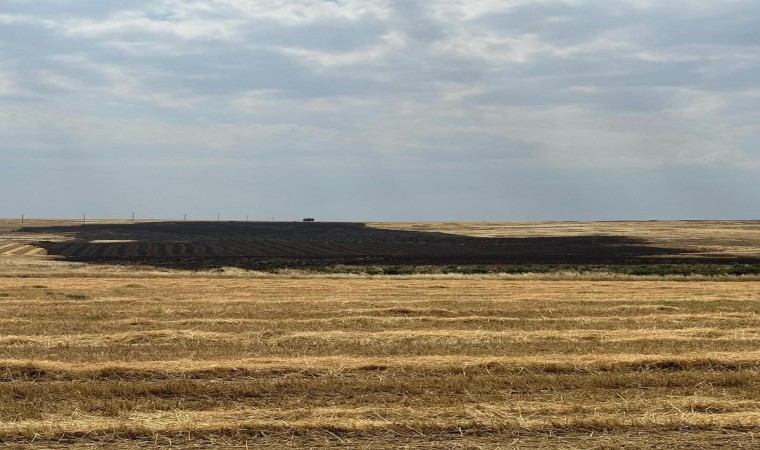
x=117 y=357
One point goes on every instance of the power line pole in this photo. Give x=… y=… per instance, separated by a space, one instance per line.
x=22 y=218
x=133 y=217
x=84 y=218
x=218 y=216
x=185 y=217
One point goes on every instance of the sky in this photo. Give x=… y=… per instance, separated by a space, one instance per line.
x=398 y=110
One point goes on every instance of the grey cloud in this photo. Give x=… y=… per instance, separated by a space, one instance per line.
x=709 y=39
x=414 y=19
x=544 y=109
x=334 y=36
x=558 y=22
x=715 y=24
x=65 y=8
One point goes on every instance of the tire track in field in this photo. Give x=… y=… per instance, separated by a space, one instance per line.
x=92 y=250
x=9 y=249
x=234 y=249
x=6 y=245
x=111 y=251
x=210 y=250
x=289 y=250
x=181 y=249
x=163 y=249
x=20 y=249
x=264 y=248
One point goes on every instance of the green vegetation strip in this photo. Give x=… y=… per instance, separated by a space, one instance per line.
x=630 y=270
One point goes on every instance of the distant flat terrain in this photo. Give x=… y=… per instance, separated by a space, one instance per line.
x=106 y=343
x=251 y=245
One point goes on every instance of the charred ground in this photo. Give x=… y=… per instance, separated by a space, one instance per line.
x=255 y=245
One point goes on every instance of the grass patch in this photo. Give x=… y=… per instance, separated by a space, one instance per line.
x=644 y=270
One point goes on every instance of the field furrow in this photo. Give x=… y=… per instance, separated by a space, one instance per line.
x=198 y=359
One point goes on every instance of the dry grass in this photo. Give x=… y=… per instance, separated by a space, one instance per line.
x=415 y=362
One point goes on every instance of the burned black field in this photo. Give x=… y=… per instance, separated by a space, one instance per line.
x=257 y=245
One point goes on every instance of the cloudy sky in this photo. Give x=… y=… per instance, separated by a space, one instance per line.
x=380 y=109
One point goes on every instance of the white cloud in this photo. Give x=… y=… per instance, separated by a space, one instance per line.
x=137 y=22
x=303 y=11
x=455 y=85
x=221 y=19
x=9 y=86
x=13 y=19
x=389 y=43
x=462 y=10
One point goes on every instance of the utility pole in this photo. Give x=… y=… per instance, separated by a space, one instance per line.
x=133 y=217
x=218 y=216
x=246 y=218
x=185 y=217
x=22 y=218
x=84 y=218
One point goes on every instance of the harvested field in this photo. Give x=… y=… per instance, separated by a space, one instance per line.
x=20 y=249
x=101 y=356
x=420 y=362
